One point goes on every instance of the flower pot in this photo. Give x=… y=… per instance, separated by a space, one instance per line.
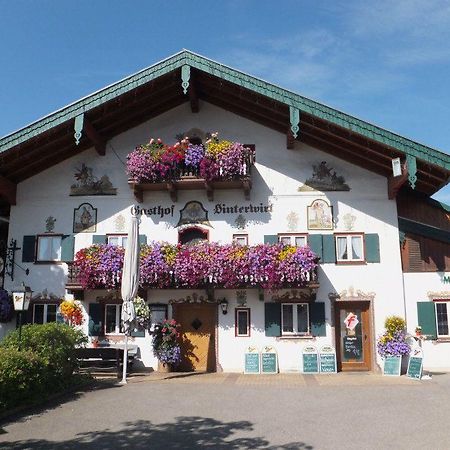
x=164 y=367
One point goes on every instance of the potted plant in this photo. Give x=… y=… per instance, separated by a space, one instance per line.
x=165 y=345
x=72 y=312
x=142 y=313
x=392 y=343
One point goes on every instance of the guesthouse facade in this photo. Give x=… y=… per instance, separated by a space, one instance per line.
x=309 y=223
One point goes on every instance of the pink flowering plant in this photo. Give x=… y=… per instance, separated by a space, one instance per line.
x=165 y=265
x=214 y=160
x=165 y=342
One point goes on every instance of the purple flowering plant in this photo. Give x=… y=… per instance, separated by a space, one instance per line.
x=165 y=265
x=214 y=160
x=393 y=341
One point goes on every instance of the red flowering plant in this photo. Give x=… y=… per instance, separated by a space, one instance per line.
x=214 y=160
x=72 y=312
x=165 y=341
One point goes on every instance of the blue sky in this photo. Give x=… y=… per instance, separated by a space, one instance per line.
x=387 y=62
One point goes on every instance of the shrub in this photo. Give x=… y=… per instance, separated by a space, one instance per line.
x=23 y=377
x=53 y=342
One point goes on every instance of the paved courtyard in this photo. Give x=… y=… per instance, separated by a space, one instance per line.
x=232 y=411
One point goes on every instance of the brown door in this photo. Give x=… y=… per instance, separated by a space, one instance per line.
x=198 y=332
x=353 y=336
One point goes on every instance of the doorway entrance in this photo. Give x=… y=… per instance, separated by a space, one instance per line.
x=353 y=336
x=198 y=335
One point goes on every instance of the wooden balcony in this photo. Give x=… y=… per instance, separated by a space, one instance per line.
x=74 y=281
x=182 y=178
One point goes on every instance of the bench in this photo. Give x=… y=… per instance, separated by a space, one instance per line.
x=102 y=360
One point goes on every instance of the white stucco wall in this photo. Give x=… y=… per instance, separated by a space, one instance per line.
x=276 y=177
x=422 y=287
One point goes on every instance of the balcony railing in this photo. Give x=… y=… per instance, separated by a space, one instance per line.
x=186 y=178
x=74 y=280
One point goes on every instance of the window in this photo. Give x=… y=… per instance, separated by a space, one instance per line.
x=192 y=236
x=112 y=319
x=297 y=240
x=242 y=322
x=49 y=248
x=295 y=319
x=240 y=239
x=158 y=313
x=442 y=317
x=44 y=313
x=349 y=247
x=117 y=240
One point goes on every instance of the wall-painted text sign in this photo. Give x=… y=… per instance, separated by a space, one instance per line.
x=251 y=363
x=415 y=366
x=327 y=360
x=392 y=365
x=269 y=363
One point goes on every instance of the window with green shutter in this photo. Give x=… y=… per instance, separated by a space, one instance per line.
x=315 y=244
x=426 y=318
x=271 y=239
x=272 y=319
x=372 y=242
x=99 y=239
x=67 y=247
x=95 y=324
x=317 y=319
x=29 y=249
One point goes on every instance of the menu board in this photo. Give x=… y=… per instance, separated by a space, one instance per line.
x=251 y=364
x=327 y=359
x=392 y=365
x=310 y=360
x=352 y=347
x=269 y=363
x=415 y=366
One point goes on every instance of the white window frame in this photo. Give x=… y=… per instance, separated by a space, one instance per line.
x=349 y=238
x=117 y=327
x=294 y=320
x=157 y=308
x=240 y=239
x=283 y=238
x=237 y=312
x=58 y=247
x=119 y=237
x=447 y=303
x=45 y=313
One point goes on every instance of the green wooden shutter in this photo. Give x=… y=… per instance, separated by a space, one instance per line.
x=329 y=248
x=99 y=239
x=29 y=249
x=372 y=248
x=270 y=239
x=142 y=239
x=426 y=316
x=67 y=247
x=138 y=332
x=272 y=319
x=95 y=319
x=317 y=318
x=315 y=244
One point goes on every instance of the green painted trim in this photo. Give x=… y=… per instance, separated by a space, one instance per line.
x=198 y=62
x=410 y=226
x=294 y=114
x=185 y=76
x=412 y=170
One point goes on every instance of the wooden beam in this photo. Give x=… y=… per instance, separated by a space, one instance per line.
x=193 y=97
x=395 y=183
x=95 y=137
x=8 y=190
x=290 y=139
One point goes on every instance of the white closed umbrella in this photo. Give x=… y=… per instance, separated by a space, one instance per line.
x=130 y=284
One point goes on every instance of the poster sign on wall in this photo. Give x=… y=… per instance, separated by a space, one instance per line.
x=327 y=359
x=269 y=360
x=251 y=361
x=310 y=359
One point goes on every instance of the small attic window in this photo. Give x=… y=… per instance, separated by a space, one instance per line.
x=195 y=140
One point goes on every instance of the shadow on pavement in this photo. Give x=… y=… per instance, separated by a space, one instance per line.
x=184 y=433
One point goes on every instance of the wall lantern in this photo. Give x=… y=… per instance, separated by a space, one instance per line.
x=396 y=167
x=224 y=305
x=21 y=299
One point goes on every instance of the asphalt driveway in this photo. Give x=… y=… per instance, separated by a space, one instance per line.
x=231 y=411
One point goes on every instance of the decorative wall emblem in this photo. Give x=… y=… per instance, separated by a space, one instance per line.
x=88 y=184
x=241 y=297
x=119 y=223
x=240 y=222
x=85 y=219
x=50 y=224
x=193 y=212
x=324 y=178
x=320 y=215
x=292 y=221
x=349 y=221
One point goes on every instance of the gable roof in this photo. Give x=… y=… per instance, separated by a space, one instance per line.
x=158 y=88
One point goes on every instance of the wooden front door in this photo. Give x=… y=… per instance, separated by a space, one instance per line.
x=353 y=336
x=198 y=336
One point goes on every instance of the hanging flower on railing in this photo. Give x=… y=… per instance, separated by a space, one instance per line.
x=6 y=307
x=142 y=312
x=164 y=265
x=215 y=160
x=72 y=312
